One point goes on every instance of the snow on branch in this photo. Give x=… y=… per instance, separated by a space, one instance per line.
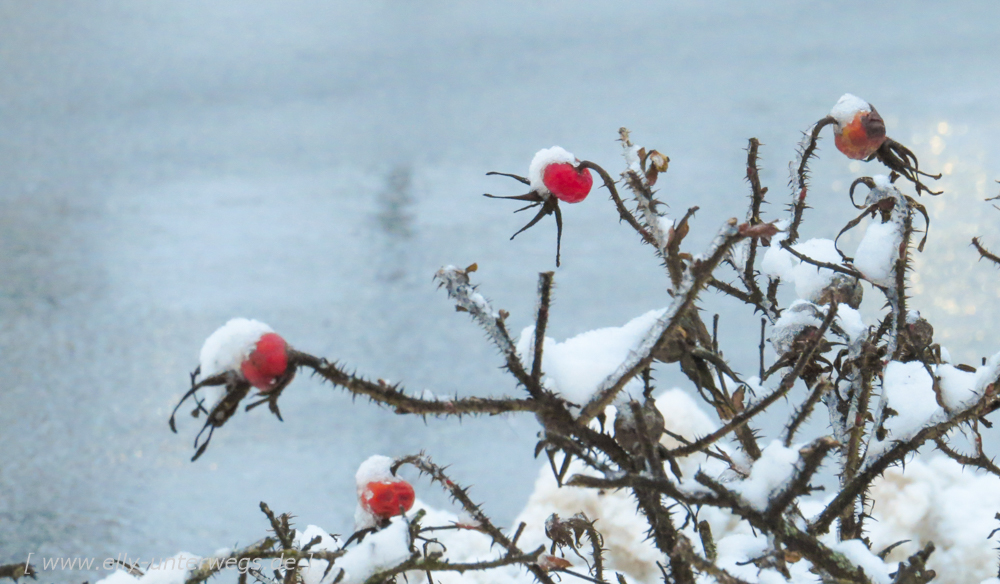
x=684 y=299
x=467 y=299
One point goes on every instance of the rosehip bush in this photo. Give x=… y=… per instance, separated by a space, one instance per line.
x=718 y=505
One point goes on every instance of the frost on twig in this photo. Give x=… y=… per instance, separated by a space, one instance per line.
x=637 y=178
x=467 y=299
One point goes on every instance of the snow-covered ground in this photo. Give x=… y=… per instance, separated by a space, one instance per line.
x=167 y=166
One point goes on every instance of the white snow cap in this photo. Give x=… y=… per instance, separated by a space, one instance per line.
x=543 y=158
x=230 y=345
x=882 y=182
x=375 y=469
x=847 y=107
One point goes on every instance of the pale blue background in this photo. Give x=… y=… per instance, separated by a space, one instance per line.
x=165 y=166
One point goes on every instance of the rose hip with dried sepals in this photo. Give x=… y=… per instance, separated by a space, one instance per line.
x=859 y=130
x=554 y=175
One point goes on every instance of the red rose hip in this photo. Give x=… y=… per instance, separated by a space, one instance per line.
x=566 y=182
x=859 y=131
x=386 y=499
x=267 y=362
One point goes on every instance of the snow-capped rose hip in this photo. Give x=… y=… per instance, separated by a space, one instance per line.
x=240 y=355
x=859 y=130
x=381 y=494
x=859 y=133
x=554 y=175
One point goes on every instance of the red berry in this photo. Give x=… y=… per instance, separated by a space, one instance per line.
x=388 y=498
x=266 y=362
x=567 y=182
x=860 y=138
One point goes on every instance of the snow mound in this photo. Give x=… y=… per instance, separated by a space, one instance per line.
x=808 y=280
x=769 y=473
x=935 y=499
x=617 y=517
x=172 y=570
x=909 y=391
x=793 y=320
x=379 y=551
x=575 y=367
x=878 y=251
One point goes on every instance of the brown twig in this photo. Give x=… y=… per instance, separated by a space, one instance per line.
x=461 y=496
x=541 y=322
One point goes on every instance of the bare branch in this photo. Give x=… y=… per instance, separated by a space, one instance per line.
x=541 y=322
x=467 y=299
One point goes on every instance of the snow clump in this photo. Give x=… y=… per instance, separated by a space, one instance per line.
x=575 y=367
x=230 y=345
x=769 y=473
x=878 y=252
x=847 y=107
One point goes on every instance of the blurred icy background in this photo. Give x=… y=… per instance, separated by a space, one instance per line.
x=165 y=166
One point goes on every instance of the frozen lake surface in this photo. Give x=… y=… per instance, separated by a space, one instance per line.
x=165 y=166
